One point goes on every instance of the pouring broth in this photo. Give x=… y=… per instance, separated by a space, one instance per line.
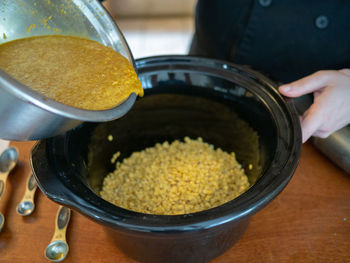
x=77 y=72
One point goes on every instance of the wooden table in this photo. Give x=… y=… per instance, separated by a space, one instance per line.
x=308 y=222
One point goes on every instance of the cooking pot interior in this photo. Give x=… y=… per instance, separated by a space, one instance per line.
x=223 y=113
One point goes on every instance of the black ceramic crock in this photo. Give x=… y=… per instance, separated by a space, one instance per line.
x=229 y=106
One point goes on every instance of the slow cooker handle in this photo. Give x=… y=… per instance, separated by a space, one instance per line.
x=302 y=103
x=54 y=189
x=48 y=183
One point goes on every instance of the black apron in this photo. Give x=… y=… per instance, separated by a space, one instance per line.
x=285 y=40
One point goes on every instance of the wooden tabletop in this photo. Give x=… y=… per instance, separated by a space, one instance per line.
x=308 y=222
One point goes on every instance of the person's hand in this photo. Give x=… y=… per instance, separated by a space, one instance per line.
x=331 y=108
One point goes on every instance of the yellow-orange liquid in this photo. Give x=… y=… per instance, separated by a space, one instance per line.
x=78 y=72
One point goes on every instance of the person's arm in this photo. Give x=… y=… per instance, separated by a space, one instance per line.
x=331 y=108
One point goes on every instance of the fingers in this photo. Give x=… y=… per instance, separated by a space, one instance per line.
x=331 y=107
x=311 y=122
x=308 y=84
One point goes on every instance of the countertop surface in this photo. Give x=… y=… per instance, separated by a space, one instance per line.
x=308 y=222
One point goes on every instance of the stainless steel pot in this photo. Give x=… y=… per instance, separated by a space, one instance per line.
x=27 y=115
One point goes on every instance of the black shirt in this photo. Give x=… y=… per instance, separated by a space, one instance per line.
x=284 y=39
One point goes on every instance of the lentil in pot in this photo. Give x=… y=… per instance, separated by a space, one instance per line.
x=176 y=178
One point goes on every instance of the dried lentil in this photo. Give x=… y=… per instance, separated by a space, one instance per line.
x=177 y=178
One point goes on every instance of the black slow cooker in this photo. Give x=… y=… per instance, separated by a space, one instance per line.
x=229 y=106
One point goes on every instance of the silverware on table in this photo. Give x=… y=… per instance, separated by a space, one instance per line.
x=8 y=160
x=58 y=248
x=27 y=206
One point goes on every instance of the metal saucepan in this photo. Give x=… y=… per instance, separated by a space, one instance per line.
x=27 y=115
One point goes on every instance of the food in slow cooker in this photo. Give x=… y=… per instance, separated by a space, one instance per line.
x=176 y=178
x=78 y=72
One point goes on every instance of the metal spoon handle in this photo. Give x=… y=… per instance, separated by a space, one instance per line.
x=2 y=221
x=8 y=160
x=31 y=187
x=62 y=220
x=3 y=178
x=27 y=206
